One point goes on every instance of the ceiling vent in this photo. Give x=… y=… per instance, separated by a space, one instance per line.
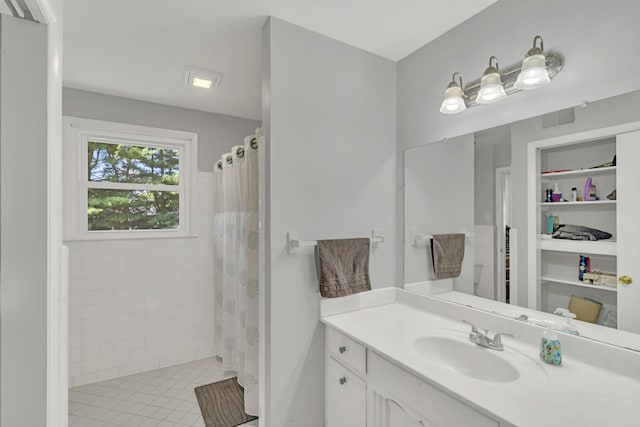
x=558 y=118
x=201 y=78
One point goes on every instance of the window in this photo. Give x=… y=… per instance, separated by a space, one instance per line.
x=124 y=181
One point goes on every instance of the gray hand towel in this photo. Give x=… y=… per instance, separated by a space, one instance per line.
x=343 y=266
x=447 y=253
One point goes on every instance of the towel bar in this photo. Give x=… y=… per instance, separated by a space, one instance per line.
x=294 y=242
x=419 y=238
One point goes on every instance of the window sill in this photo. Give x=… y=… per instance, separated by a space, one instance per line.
x=130 y=236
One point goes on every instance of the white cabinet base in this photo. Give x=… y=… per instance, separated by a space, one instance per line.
x=346 y=397
x=382 y=394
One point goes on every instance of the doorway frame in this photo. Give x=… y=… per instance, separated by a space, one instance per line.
x=501 y=173
x=49 y=13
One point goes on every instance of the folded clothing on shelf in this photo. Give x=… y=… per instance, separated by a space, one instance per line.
x=579 y=232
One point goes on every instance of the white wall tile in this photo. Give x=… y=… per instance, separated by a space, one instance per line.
x=137 y=305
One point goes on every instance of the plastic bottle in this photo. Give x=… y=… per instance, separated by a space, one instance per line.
x=574 y=194
x=569 y=327
x=557 y=195
x=587 y=189
x=550 y=219
x=550 y=348
x=548 y=195
x=583 y=267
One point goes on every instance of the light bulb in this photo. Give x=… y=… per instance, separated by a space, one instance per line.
x=453 y=101
x=534 y=74
x=491 y=89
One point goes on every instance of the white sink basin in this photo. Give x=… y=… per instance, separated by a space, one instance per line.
x=467 y=358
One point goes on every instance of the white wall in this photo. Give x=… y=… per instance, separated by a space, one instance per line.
x=330 y=126
x=492 y=150
x=484 y=255
x=594 y=36
x=438 y=201
x=217 y=133
x=24 y=227
x=137 y=305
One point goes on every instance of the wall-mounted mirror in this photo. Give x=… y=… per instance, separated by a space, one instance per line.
x=499 y=188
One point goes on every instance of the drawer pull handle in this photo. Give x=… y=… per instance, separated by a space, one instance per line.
x=342 y=349
x=342 y=380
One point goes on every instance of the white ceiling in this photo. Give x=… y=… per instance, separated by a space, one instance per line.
x=138 y=49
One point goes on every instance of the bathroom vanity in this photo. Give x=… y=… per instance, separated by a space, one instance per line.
x=396 y=359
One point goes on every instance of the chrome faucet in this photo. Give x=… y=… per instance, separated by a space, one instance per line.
x=483 y=340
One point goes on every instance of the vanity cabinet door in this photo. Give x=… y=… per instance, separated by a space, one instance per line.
x=346 y=397
x=418 y=399
x=387 y=412
x=397 y=416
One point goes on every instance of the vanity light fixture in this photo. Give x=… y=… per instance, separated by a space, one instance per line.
x=534 y=74
x=536 y=70
x=491 y=89
x=453 y=101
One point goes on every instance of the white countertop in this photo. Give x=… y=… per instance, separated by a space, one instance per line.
x=572 y=394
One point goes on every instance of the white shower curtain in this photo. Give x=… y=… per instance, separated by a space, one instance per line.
x=236 y=266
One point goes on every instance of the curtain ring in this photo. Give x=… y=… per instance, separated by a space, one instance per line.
x=219 y=164
x=254 y=143
x=229 y=160
x=240 y=152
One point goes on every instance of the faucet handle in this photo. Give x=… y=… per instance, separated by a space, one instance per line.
x=474 y=330
x=497 y=339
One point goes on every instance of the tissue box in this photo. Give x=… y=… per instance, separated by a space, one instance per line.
x=604 y=279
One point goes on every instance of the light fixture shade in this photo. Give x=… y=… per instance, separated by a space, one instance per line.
x=453 y=101
x=491 y=88
x=534 y=73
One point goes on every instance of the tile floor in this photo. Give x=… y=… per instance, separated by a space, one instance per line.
x=163 y=397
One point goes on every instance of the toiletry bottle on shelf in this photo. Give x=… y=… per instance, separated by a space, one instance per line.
x=587 y=189
x=574 y=194
x=593 y=195
x=556 y=223
x=548 y=195
x=557 y=195
x=583 y=267
x=550 y=349
x=550 y=219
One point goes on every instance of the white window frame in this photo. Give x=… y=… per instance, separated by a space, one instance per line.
x=77 y=132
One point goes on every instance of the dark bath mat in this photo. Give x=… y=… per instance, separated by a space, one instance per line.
x=222 y=404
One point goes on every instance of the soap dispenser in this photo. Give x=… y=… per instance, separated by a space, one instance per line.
x=569 y=327
x=550 y=350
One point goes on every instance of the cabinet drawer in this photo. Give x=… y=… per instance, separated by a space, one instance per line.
x=346 y=397
x=347 y=351
x=437 y=407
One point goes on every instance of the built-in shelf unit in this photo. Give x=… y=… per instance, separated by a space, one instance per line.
x=553 y=264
